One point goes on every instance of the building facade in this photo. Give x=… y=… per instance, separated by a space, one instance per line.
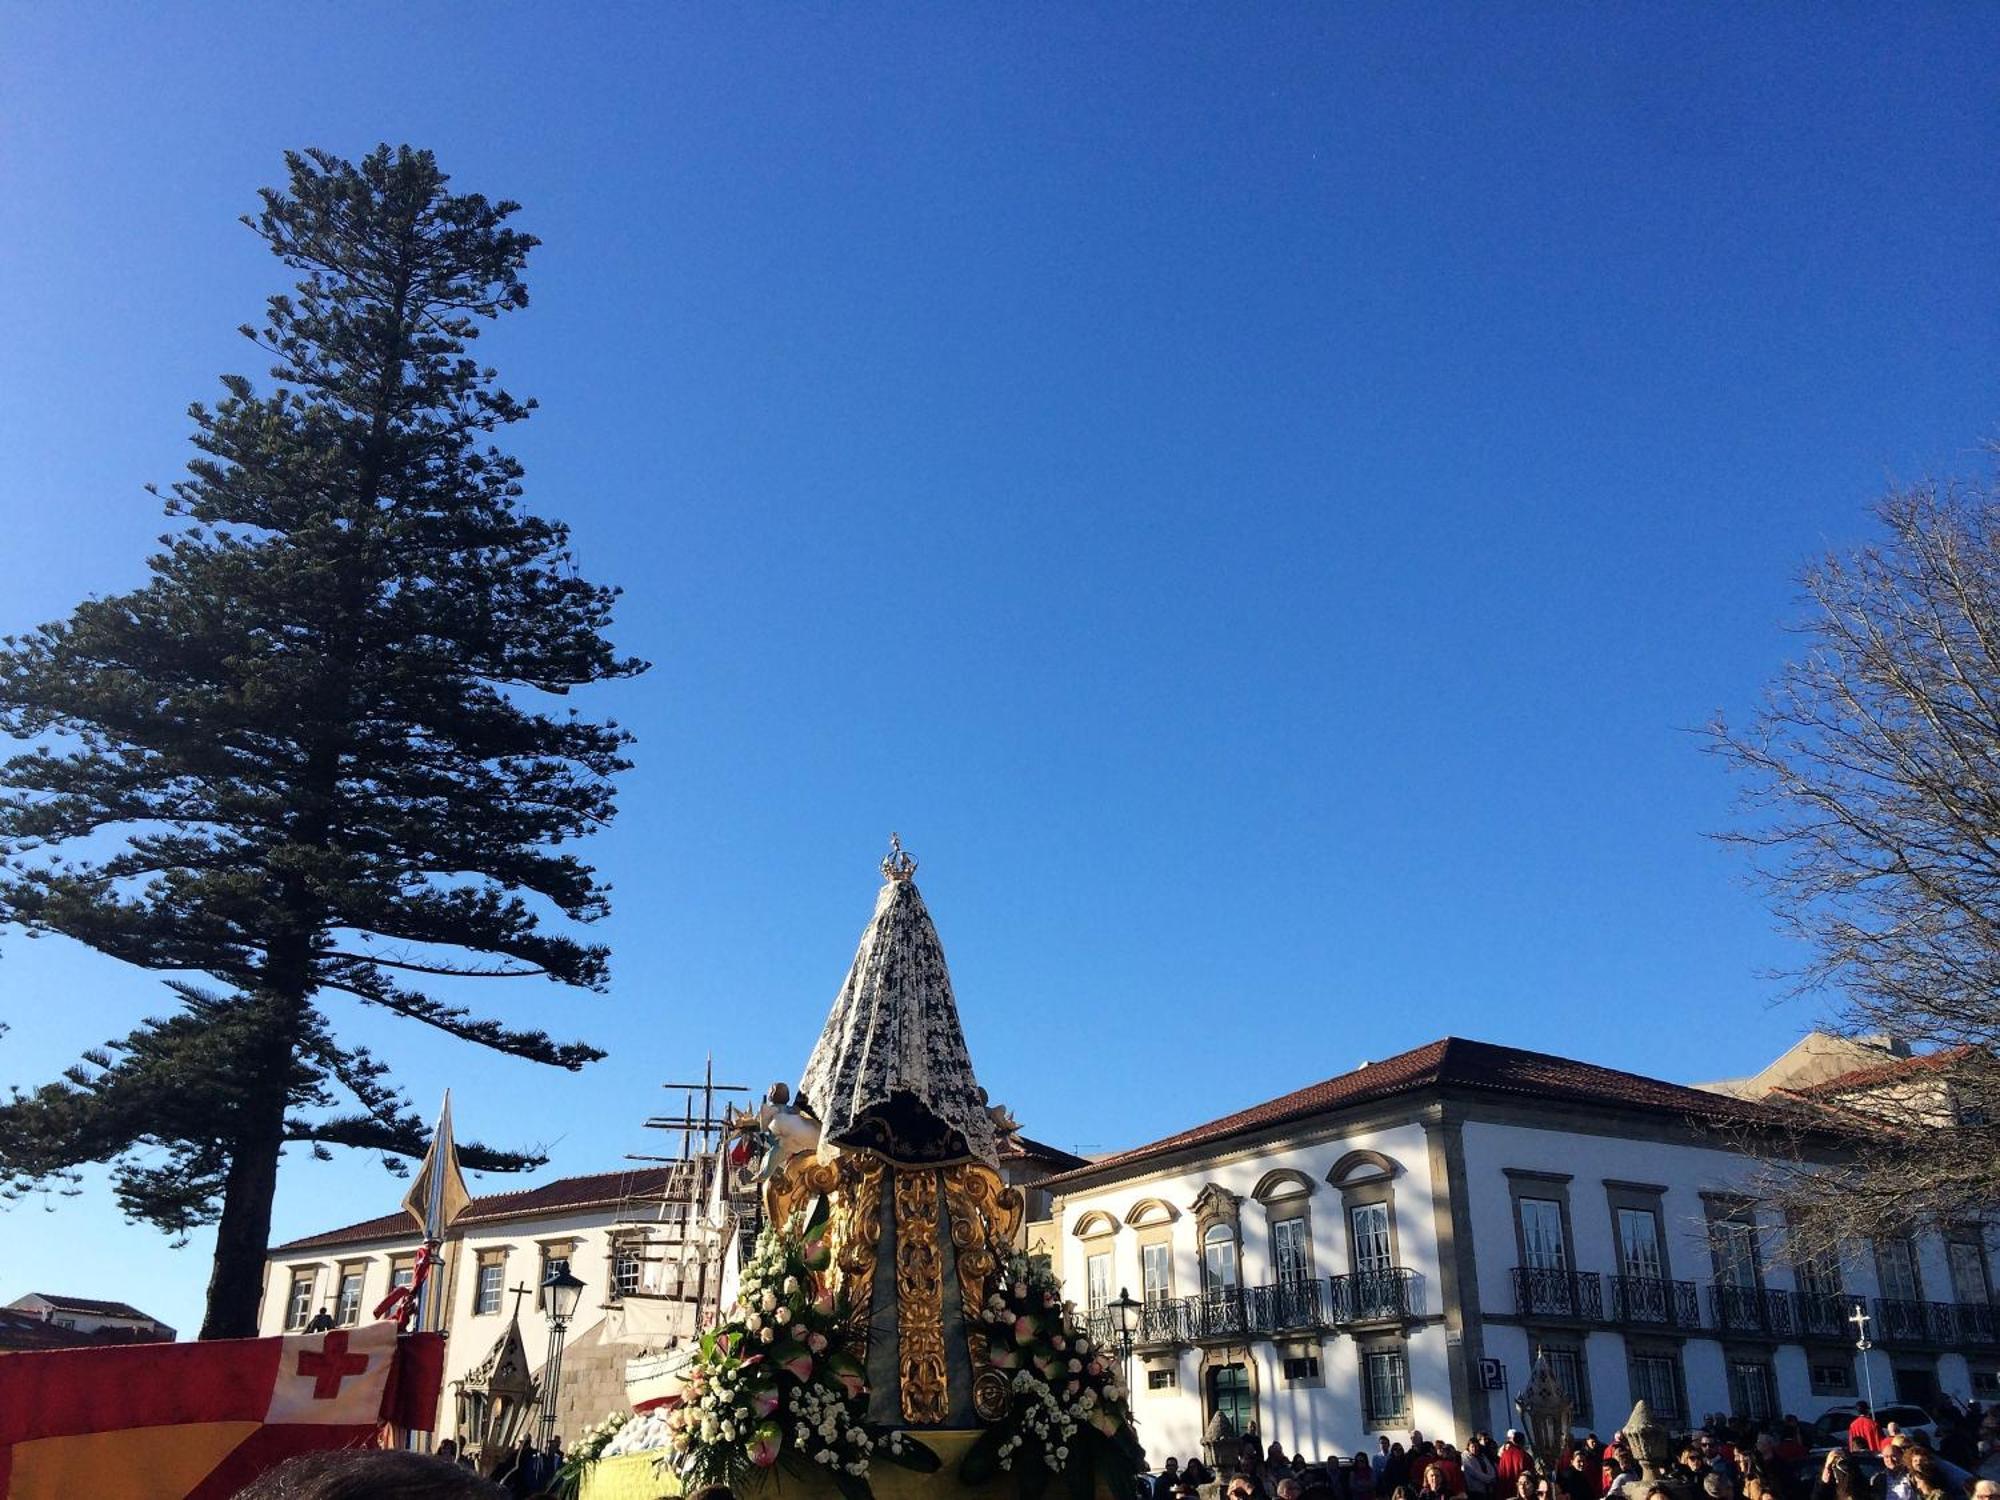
x=1390 y=1248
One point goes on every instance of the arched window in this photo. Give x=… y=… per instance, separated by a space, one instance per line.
x=1218 y=1258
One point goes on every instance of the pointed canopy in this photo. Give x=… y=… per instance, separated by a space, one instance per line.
x=890 y=1071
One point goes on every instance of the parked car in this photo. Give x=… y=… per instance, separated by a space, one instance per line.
x=1833 y=1421
x=1813 y=1463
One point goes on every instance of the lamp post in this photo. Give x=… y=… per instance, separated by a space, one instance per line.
x=561 y=1291
x=1124 y=1312
x=1545 y=1409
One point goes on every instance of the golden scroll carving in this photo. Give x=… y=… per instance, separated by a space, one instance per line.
x=920 y=1297
x=984 y=1215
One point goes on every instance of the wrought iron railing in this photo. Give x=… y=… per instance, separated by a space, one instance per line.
x=1825 y=1314
x=1655 y=1303
x=1544 y=1293
x=1901 y=1319
x=1978 y=1323
x=1166 y=1320
x=1294 y=1303
x=1739 y=1309
x=1389 y=1293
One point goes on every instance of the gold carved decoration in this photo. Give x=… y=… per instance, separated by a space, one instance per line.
x=853 y=1182
x=985 y=1215
x=920 y=1297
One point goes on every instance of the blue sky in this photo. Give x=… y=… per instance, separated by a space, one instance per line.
x=1260 y=496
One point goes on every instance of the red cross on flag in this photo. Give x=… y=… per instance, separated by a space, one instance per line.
x=199 y=1421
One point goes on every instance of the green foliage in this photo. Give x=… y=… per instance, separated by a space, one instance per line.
x=305 y=758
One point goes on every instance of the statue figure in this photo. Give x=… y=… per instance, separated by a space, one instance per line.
x=779 y=1131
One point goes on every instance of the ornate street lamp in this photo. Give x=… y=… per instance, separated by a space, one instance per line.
x=1125 y=1329
x=561 y=1291
x=1545 y=1411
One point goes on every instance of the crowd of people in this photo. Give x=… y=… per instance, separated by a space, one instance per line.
x=1722 y=1459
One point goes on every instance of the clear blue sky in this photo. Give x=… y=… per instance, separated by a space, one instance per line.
x=1258 y=496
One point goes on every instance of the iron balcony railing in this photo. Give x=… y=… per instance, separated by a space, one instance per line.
x=1390 y=1293
x=1655 y=1303
x=1542 y=1292
x=1825 y=1314
x=1902 y=1320
x=1295 y=1303
x=1978 y=1323
x=1739 y=1309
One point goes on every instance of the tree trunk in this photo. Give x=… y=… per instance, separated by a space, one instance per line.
x=243 y=1234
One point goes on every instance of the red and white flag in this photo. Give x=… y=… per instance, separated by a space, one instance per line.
x=200 y=1421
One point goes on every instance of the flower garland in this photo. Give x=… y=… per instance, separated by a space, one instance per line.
x=1067 y=1412
x=584 y=1452
x=772 y=1384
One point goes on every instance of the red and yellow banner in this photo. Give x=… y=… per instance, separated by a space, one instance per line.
x=199 y=1421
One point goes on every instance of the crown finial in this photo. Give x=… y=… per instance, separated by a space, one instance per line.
x=899 y=866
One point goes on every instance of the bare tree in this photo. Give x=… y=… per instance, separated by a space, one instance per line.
x=1872 y=777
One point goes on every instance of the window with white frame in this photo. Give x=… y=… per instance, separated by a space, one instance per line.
x=1156 y=1270
x=627 y=1270
x=298 y=1305
x=1735 y=1244
x=347 y=1307
x=1161 y=1380
x=1385 y=1387
x=1097 y=1281
x=1639 y=1243
x=403 y=1271
x=1542 y=1234
x=1302 y=1369
x=490 y=1283
x=1896 y=1264
x=1968 y=1270
x=1831 y=1373
x=1291 y=1250
x=1218 y=1259
x=1368 y=1227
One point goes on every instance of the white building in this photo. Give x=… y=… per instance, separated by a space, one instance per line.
x=1388 y=1248
x=92 y=1315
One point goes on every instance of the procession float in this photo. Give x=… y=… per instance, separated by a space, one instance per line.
x=888 y=1336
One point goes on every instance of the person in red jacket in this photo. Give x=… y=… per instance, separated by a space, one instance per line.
x=1513 y=1461
x=1862 y=1433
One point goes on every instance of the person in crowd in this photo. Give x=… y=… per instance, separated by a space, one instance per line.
x=1988 y=1466
x=1525 y=1487
x=1453 y=1472
x=1288 y=1488
x=1791 y=1448
x=1169 y=1477
x=369 y=1474
x=1840 y=1478
x=1620 y=1474
x=1243 y=1487
x=322 y=1322
x=1195 y=1472
x=1360 y=1478
x=1395 y=1474
x=1718 y=1485
x=1573 y=1479
x=1513 y=1460
x=1379 y=1459
x=1401 y=1492
x=1430 y=1482
x=1928 y=1480
x=1481 y=1477
x=1986 y=1489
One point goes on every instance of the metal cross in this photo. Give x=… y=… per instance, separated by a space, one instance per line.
x=1859 y=1318
x=519 y=1292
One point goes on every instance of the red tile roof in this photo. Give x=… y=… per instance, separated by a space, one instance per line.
x=599 y=1190
x=19 y=1330
x=1453 y=1063
x=1889 y=1072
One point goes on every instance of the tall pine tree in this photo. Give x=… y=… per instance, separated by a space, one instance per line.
x=306 y=758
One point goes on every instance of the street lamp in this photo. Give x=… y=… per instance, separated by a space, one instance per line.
x=1545 y=1409
x=561 y=1292
x=1125 y=1330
